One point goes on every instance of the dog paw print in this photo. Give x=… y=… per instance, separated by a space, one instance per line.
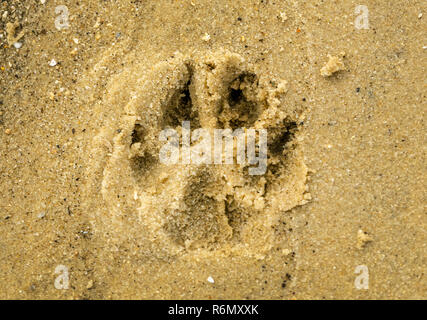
x=190 y=207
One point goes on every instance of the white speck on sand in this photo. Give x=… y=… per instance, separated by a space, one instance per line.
x=206 y=37
x=211 y=280
x=283 y=16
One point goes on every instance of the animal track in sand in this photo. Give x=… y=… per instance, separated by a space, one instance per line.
x=171 y=209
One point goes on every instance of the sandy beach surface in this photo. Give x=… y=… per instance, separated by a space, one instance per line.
x=87 y=211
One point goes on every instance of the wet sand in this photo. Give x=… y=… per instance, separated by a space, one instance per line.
x=347 y=189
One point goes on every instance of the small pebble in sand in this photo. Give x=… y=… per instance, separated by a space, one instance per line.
x=53 y=63
x=211 y=280
x=334 y=65
x=11 y=31
x=17 y=45
x=363 y=238
x=283 y=16
x=286 y=252
x=89 y=284
x=42 y=1
x=7 y=131
x=420 y=16
x=41 y=215
x=97 y=23
x=206 y=37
